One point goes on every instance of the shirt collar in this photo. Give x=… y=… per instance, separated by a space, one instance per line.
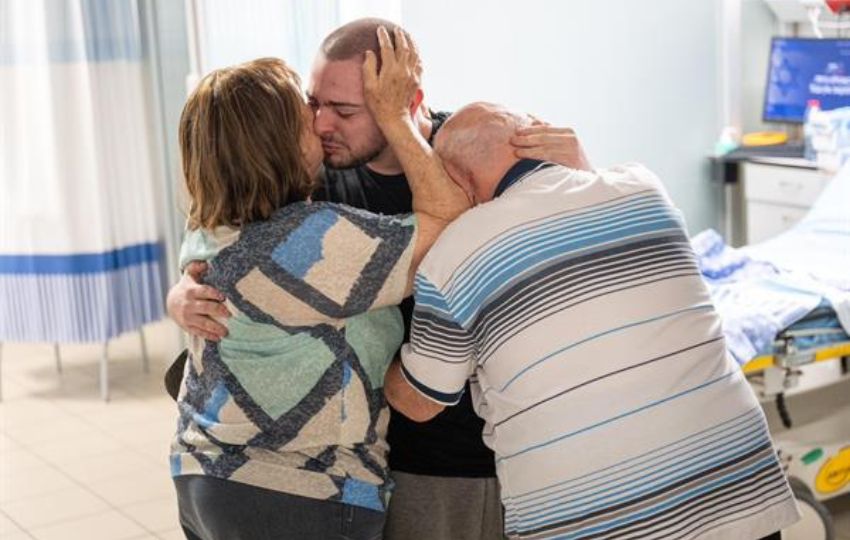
x=516 y=173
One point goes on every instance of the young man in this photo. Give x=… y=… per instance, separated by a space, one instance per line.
x=444 y=475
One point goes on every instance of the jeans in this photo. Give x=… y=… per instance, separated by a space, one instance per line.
x=216 y=509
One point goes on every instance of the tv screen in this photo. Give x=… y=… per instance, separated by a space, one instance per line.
x=801 y=69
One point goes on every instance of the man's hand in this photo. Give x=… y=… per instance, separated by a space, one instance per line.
x=389 y=94
x=193 y=306
x=544 y=142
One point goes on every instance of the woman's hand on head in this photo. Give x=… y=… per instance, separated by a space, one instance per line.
x=392 y=92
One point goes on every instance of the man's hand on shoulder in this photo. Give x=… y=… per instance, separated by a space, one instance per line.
x=193 y=306
x=547 y=143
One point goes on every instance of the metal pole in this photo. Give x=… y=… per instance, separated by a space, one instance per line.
x=146 y=367
x=58 y=356
x=104 y=372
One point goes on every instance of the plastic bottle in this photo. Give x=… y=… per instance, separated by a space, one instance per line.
x=812 y=108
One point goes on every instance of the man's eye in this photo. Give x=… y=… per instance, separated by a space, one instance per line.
x=346 y=113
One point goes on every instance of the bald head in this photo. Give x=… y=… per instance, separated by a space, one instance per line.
x=475 y=147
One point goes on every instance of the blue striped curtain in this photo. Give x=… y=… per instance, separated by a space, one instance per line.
x=81 y=255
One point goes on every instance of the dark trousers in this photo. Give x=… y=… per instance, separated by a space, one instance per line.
x=215 y=509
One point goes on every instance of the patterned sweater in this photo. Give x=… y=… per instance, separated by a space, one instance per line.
x=291 y=400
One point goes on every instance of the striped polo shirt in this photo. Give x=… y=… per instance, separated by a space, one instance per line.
x=574 y=305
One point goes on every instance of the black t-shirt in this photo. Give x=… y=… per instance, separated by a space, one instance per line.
x=450 y=444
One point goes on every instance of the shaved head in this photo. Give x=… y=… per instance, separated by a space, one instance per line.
x=475 y=147
x=352 y=40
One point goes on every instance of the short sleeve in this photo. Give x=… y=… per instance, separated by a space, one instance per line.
x=440 y=356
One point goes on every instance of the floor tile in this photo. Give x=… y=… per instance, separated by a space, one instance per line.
x=157 y=453
x=110 y=525
x=174 y=534
x=140 y=486
x=122 y=414
x=12 y=390
x=20 y=459
x=61 y=428
x=92 y=469
x=157 y=431
x=7 y=444
x=56 y=507
x=85 y=402
x=157 y=516
x=19 y=484
x=63 y=447
x=81 y=445
x=19 y=536
x=26 y=411
x=8 y=527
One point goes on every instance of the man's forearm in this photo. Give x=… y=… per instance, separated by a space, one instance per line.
x=434 y=192
x=405 y=399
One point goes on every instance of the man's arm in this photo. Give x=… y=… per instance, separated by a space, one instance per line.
x=436 y=364
x=406 y=399
x=192 y=305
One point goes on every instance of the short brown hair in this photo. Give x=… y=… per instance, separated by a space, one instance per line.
x=352 y=40
x=240 y=135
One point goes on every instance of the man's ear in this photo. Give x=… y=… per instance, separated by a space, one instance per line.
x=463 y=180
x=417 y=101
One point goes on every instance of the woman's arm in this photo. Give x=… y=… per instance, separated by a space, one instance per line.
x=391 y=95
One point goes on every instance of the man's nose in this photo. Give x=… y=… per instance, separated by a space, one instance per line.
x=322 y=122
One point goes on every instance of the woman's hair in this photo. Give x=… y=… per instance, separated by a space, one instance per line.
x=240 y=141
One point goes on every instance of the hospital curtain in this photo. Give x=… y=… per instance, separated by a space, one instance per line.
x=81 y=253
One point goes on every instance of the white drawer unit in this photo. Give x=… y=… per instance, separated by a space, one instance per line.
x=776 y=197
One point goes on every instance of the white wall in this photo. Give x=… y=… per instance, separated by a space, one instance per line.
x=758 y=26
x=637 y=80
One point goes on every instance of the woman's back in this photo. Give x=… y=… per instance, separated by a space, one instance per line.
x=291 y=399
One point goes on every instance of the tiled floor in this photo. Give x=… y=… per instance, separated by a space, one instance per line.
x=73 y=467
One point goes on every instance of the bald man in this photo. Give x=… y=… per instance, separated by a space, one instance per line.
x=572 y=303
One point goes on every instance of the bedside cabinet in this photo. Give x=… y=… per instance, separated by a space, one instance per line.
x=776 y=197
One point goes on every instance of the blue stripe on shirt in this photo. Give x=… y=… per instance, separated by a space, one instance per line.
x=532 y=365
x=619 y=416
x=517 y=263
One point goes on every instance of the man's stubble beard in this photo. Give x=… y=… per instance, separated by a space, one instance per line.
x=358 y=161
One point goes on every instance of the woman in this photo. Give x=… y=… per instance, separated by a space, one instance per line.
x=282 y=424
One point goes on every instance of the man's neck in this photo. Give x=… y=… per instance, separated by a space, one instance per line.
x=386 y=163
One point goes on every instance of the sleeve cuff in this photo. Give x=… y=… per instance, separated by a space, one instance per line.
x=447 y=399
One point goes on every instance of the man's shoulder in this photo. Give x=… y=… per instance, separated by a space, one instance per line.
x=632 y=173
x=460 y=240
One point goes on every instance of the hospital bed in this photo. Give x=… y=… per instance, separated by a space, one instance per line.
x=785 y=306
